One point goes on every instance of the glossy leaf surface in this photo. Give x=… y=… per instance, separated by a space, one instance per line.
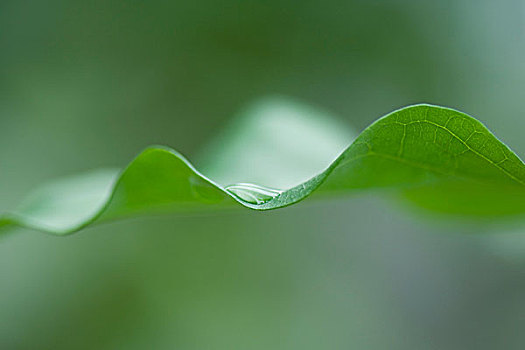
x=438 y=158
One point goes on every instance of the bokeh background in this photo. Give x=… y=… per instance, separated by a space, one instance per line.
x=87 y=84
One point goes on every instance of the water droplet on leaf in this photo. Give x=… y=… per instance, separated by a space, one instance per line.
x=253 y=194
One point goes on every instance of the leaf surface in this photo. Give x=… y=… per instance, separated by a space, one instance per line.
x=438 y=158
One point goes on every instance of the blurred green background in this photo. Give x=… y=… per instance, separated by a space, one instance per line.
x=87 y=84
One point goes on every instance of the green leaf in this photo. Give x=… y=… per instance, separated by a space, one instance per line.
x=435 y=157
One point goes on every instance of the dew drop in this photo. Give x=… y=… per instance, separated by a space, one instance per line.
x=253 y=194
